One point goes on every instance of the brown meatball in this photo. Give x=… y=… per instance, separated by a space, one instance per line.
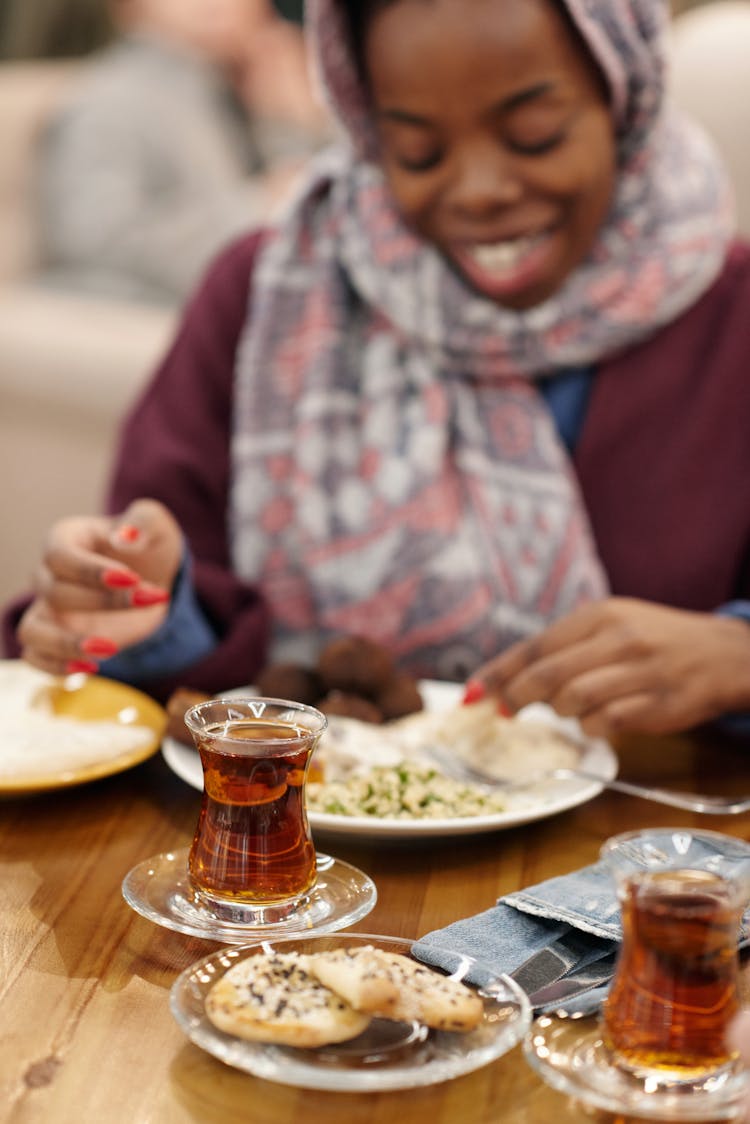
x=350 y=706
x=399 y=697
x=178 y=704
x=290 y=681
x=355 y=665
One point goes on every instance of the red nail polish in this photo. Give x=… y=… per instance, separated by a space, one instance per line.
x=143 y=597
x=128 y=533
x=504 y=710
x=98 y=646
x=74 y=667
x=475 y=690
x=120 y=579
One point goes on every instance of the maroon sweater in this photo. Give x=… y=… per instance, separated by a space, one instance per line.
x=663 y=459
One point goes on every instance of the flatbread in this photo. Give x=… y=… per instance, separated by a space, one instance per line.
x=389 y=985
x=504 y=748
x=273 y=997
x=517 y=748
x=36 y=741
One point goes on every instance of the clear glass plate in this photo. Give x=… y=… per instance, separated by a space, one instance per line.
x=160 y=890
x=568 y=1053
x=388 y=1055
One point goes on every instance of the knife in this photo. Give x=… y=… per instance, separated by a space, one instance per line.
x=579 y=983
x=555 y=960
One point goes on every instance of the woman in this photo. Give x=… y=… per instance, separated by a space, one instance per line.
x=487 y=373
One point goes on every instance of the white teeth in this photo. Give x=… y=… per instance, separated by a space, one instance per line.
x=500 y=257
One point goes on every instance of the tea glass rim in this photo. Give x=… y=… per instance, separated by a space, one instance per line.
x=609 y=845
x=731 y=861
x=238 y=701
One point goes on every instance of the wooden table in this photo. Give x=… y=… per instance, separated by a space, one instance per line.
x=86 y=1034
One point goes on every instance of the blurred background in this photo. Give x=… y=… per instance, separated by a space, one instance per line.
x=64 y=28
x=75 y=344
x=69 y=28
x=138 y=138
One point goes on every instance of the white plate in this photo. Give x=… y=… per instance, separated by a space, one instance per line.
x=387 y=1055
x=554 y=797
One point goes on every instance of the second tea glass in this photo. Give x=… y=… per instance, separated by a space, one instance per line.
x=659 y=1049
x=682 y=894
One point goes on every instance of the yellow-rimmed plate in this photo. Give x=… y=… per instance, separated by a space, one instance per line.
x=130 y=723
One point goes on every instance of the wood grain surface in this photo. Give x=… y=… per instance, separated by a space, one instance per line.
x=86 y=1033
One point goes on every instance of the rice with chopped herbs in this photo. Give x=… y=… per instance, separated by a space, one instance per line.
x=403 y=791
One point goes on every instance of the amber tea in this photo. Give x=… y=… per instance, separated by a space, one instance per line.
x=675 y=991
x=682 y=893
x=252 y=844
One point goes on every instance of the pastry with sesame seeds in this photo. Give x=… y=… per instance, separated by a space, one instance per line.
x=273 y=997
x=389 y=985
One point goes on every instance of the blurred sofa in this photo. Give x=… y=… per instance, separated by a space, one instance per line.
x=710 y=80
x=69 y=364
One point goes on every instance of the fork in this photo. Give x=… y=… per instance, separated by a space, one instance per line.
x=461 y=770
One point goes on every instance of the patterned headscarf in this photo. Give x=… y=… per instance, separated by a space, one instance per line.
x=396 y=472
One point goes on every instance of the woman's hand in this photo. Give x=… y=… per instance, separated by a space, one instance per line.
x=627 y=665
x=102 y=585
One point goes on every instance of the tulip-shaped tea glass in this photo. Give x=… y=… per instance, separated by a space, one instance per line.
x=659 y=1048
x=252 y=858
x=682 y=894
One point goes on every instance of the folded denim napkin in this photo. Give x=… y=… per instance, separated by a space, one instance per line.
x=583 y=903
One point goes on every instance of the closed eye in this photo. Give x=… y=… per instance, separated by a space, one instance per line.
x=409 y=139
x=423 y=164
x=537 y=148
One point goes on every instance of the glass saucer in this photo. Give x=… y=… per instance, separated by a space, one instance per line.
x=568 y=1053
x=160 y=889
x=387 y=1055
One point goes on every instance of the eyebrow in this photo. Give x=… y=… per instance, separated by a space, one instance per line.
x=524 y=96
x=505 y=106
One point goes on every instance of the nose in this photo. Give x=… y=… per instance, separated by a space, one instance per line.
x=485 y=180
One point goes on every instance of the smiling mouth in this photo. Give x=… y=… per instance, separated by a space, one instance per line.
x=509 y=270
x=504 y=257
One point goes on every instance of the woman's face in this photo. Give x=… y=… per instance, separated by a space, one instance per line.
x=496 y=138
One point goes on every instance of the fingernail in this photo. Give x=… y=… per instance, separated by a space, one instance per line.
x=120 y=579
x=475 y=690
x=98 y=646
x=73 y=667
x=143 y=597
x=128 y=533
x=504 y=710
